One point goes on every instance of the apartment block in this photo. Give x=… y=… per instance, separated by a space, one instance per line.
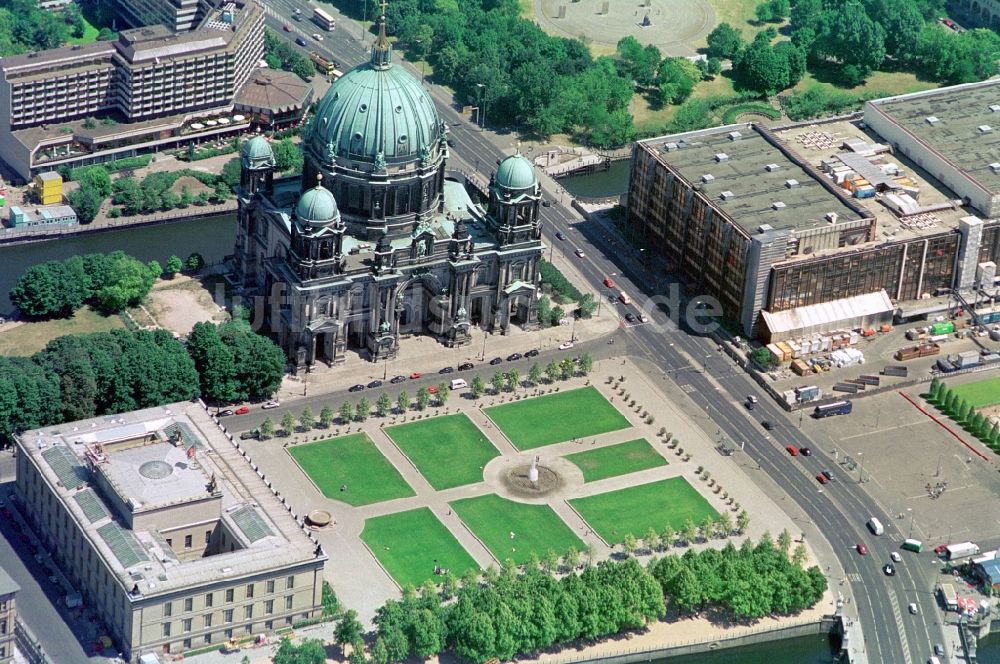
x=167 y=529
x=177 y=15
x=771 y=220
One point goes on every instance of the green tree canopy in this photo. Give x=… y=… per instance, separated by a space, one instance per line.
x=724 y=41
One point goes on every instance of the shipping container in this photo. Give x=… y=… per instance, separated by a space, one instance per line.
x=925 y=350
x=869 y=380
x=800 y=368
x=776 y=352
x=849 y=388
x=947 y=327
x=895 y=370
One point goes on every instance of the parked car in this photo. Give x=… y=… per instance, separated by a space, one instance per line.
x=496 y=360
x=862 y=549
x=767 y=424
x=451 y=143
x=941 y=550
x=356 y=388
x=375 y=383
x=465 y=366
x=225 y=413
x=531 y=353
x=415 y=375
x=821 y=479
x=397 y=379
x=566 y=345
x=253 y=434
x=579 y=253
x=514 y=357
x=939 y=650
x=446 y=370
x=609 y=282
x=242 y=410
x=546 y=202
x=273 y=403
x=560 y=236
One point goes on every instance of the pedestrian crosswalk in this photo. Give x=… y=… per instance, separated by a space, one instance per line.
x=899 y=626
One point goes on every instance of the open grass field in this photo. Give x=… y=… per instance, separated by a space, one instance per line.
x=449 y=451
x=616 y=460
x=29 y=338
x=638 y=508
x=352 y=461
x=535 y=527
x=981 y=393
x=90 y=34
x=883 y=83
x=558 y=417
x=411 y=544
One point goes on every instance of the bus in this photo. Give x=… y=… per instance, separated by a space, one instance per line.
x=323 y=20
x=836 y=408
x=326 y=67
x=916 y=546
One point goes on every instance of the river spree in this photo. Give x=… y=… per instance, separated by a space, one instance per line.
x=212 y=237
x=804 y=650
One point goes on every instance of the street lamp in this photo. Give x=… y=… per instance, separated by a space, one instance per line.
x=910 y=534
x=423 y=59
x=482 y=113
x=861 y=472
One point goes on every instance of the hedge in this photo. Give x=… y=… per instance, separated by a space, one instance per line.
x=734 y=112
x=556 y=282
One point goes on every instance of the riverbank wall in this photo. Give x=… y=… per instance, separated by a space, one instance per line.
x=10 y=237
x=829 y=625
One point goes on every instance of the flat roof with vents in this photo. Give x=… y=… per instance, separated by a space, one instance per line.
x=750 y=178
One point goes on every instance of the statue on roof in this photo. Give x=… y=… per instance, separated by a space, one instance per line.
x=425 y=156
x=380 y=162
x=384 y=327
x=331 y=150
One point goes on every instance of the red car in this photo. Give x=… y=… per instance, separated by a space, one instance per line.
x=286 y=28
x=941 y=550
x=242 y=410
x=862 y=549
x=609 y=282
x=415 y=375
x=821 y=478
x=792 y=450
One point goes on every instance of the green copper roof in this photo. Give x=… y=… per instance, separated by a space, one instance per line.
x=257 y=152
x=376 y=109
x=317 y=206
x=515 y=172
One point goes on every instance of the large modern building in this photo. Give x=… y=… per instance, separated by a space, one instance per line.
x=773 y=220
x=150 y=88
x=167 y=529
x=177 y=15
x=8 y=616
x=376 y=241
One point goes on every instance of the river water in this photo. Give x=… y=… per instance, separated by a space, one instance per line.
x=611 y=182
x=212 y=237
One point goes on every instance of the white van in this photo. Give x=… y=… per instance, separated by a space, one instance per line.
x=458 y=384
x=875 y=526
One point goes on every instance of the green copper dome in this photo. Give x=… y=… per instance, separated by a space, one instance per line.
x=376 y=109
x=317 y=207
x=516 y=172
x=256 y=153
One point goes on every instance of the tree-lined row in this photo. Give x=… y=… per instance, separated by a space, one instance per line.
x=967 y=415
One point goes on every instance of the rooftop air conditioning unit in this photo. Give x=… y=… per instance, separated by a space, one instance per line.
x=707 y=177
x=670 y=147
x=727 y=195
x=735 y=135
x=722 y=156
x=831 y=217
x=995 y=108
x=778 y=205
x=770 y=168
x=931 y=120
x=995 y=167
x=985 y=129
x=792 y=184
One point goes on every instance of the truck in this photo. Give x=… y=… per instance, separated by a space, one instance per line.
x=916 y=546
x=875 y=526
x=958 y=361
x=836 y=408
x=949 y=596
x=961 y=550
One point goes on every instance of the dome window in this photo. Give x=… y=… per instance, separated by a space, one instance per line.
x=363 y=108
x=358 y=136
x=399 y=109
x=402 y=138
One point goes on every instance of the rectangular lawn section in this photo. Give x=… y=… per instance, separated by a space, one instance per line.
x=410 y=544
x=449 y=451
x=638 y=508
x=556 y=418
x=981 y=393
x=614 y=460
x=535 y=527
x=353 y=462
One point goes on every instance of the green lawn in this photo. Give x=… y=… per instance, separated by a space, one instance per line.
x=981 y=393
x=536 y=527
x=449 y=451
x=30 y=337
x=90 y=34
x=410 y=544
x=555 y=418
x=352 y=461
x=638 y=508
x=615 y=460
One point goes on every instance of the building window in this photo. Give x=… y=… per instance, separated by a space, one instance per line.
x=188 y=603
x=269 y=625
x=248 y=612
x=170 y=543
x=187 y=644
x=166 y=629
x=248 y=629
x=208 y=537
x=249 y=590
x=168 y=608
x=208 y=638
x=227 y=615
x=288 y=620
x=269 y=606
x=228 y=633
x=288 y=603
x=270 y=586
x=208 y=620
x=290 y=582
x=187 y=541
x=209 y=600
x=186 y=623
x=229 y=594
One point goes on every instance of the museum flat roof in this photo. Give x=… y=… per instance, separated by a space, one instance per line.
x=134 y=451
x=743 y=173
x=960 y=123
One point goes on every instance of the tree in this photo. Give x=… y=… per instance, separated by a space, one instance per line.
x=364 y=409
x=784 y=541
x=259 y=363
x=902 y=23
x=95 y=178
x=266 y=428
x=349 y=629
x=848 y=35
x=550 y=561
x=724 y=41
x=186 y=197
x=427 y=633
x=629 y=544
x=384 y=404
x=194 y=262
x=346 y=412
x=544 y=311
x=651 y=540
x=326 y=416
x=128 y=194
x=379 y=654
x=403 y=401
x=935 y=390
x=586 y=363
x=799 y=555
x=423 y=398
x=637 y=61
x=307 y=420
x=309 y=651
x=764 y=12
x=231 y=172
x=667 y=537
x=571 y=559
x=689 y=531
x=676 y=79
x=725 y=524
x=443 y=393
x=706 y=527
x=552 y=371
x=287 y=156
x=535 y=374
x=174 y=265
x=761 y=67
x=86 y=202
x=556 y=315
x=763 y=358
x=288 y=423
x=742 y=522
x=586 y=307
x=47 y=290
x=567 y=368
x=215 y=362
x=498 y=381
x=513 y=379
x=478 y=386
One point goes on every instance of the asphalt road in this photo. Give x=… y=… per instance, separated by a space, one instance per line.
x=839 y=510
